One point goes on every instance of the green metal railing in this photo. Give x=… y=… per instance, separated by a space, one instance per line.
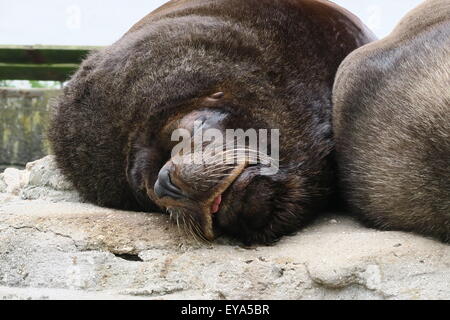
x=56 y=63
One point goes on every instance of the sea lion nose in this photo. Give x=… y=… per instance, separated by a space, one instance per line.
x=164 y=186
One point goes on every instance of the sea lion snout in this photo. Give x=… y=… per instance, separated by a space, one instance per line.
x=195 y=191
x=164 y=186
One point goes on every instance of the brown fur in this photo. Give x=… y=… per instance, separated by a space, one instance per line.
x=275 y=63
x=392 y=125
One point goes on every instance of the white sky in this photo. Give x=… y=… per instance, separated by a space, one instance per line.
x=101 y=22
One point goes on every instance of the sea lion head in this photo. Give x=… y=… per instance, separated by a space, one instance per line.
x=215 y=170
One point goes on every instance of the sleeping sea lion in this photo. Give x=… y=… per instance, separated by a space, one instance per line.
x=258 y=66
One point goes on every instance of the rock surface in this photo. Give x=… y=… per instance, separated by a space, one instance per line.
x=39 y=180
x=54 y=247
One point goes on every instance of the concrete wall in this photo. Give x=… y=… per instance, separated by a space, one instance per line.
x=24 y=115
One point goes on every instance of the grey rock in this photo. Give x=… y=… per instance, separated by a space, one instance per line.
x=40 y=179
x=14 y=180
x=44 y=173
x=3 y=185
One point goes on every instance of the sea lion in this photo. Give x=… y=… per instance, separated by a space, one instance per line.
x=392 y=125
x=226 y=64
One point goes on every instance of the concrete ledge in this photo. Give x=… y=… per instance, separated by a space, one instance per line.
x=73 y=250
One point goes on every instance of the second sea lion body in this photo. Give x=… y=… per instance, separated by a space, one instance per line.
x=392 y=125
